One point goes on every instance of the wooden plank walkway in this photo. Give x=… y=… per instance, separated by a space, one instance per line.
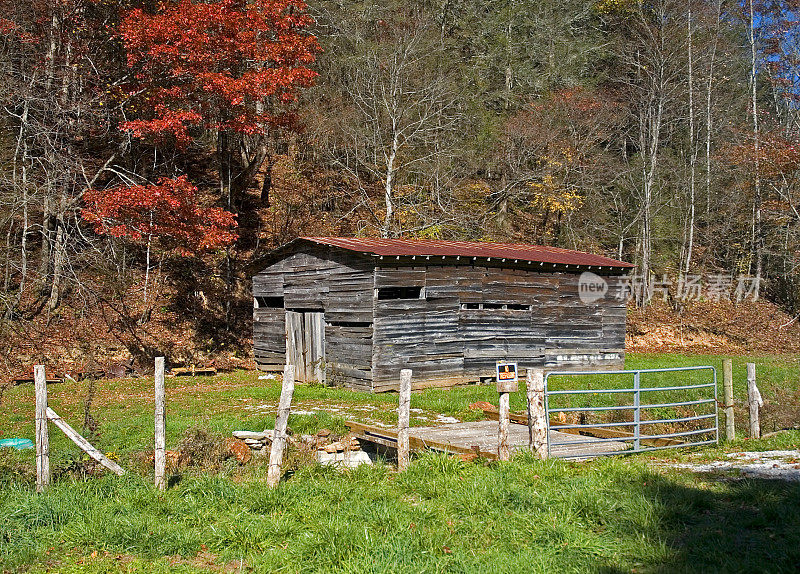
x=464 y=437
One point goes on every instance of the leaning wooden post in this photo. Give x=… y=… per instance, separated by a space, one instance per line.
x=727 y=387
x=42 y=435
x=537 y=415
x=754 y=400
x=279 y=437
x=160 y=427
x=403 y=415
x=84 y=444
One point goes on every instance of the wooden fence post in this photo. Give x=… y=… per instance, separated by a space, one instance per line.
x=754 y=400
x=42 y=434
x=160 y=427
x=727 y=387
x=537 y=415
x=504 y=409
x=504 y=387
x=279 y=436
x=403 y=415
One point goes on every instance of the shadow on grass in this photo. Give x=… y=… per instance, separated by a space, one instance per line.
x=725 y=525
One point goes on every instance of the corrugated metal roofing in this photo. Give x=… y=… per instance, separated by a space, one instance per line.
x=430 y=247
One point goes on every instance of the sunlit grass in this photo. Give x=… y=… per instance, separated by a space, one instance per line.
x=440 y=516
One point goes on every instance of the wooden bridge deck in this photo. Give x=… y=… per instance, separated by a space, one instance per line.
x=464 y=437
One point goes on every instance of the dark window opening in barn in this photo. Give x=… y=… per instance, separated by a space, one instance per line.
x=385 y=293
x=269 y=302
x=508 y=306
x=350 y=323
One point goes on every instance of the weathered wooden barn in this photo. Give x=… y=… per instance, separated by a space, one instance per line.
x=355 y=311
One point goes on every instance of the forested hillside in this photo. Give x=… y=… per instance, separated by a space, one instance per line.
x=153 y=152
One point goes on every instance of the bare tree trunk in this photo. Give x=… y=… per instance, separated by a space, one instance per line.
x=509 y=83
x=757 y=235
x=147 y=262
x=692 y=149
x=709 y=108
x=20 y=162
x=52 y=48
x=650 y=134
x=388 y=186
x=59 y=256
x=48 y=238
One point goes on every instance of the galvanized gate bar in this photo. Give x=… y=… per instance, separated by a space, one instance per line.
x=644 y=436
x=631 y=371
x=636 y=437
x=591 y=391
x=643 y=449
x=628 y=407
x=637 y=412
x=630 y=424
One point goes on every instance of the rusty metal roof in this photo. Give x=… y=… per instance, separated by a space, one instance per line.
x=502 y=251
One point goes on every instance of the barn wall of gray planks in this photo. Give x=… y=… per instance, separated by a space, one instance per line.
x=448 y=320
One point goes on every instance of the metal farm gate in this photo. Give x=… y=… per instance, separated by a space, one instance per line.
x=613 y=419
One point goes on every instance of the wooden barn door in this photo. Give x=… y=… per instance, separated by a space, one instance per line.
x=305 y=344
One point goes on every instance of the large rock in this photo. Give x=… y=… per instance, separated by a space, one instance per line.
x=346 y=443
x=239 y=450
x=348 y=459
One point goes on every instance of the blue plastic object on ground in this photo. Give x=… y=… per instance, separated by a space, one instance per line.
x=17 y=443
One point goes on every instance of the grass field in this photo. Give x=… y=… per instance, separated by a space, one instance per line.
x=443 y=515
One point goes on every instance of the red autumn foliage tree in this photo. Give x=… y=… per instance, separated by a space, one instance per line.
x=778 y=157
x=167 y=211
x=228 y=66
x=224 y=65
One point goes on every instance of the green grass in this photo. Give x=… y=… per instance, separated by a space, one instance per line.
x=239 y=400
x=441 y=516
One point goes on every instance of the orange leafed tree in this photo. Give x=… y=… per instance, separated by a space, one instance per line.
x=166 y=211
x=229 y=67
x=224 y=65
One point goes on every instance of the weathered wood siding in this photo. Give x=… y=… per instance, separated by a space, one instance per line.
x=586 y=335
x=467 y=317
x=328 y=280
x=420 y=334
x=463 y=319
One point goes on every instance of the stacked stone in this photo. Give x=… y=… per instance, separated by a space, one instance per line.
x=259 y=442
x=345 y=452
